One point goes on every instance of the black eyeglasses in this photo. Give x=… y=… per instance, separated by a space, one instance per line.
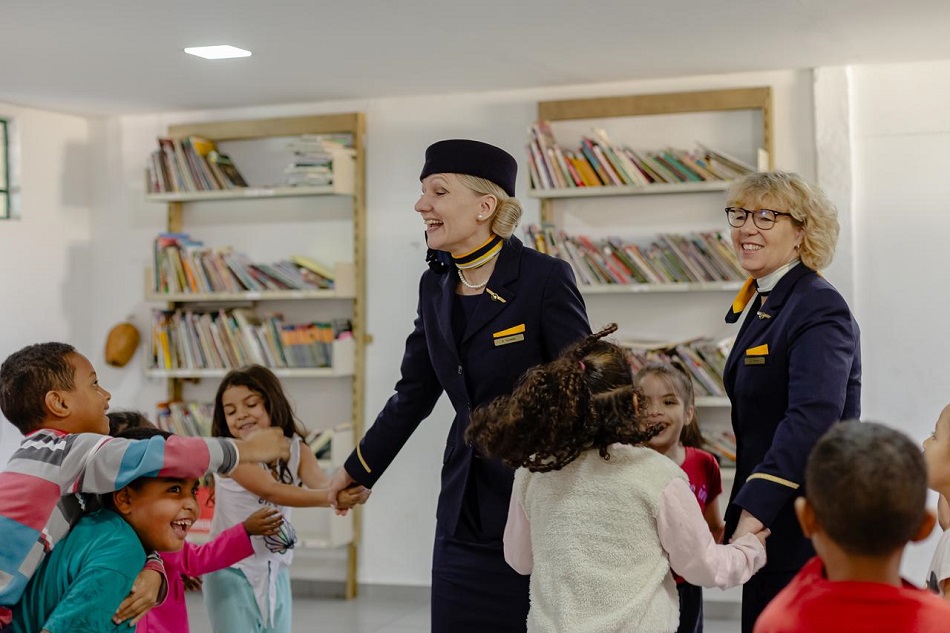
x=764 y=219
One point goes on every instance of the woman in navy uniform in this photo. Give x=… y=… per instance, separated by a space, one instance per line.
x=795 y=368
x=489 y=310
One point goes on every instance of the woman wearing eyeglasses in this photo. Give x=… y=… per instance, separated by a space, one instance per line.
x=795 y=368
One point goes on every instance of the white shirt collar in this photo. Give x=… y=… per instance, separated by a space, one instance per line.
x=768 y=282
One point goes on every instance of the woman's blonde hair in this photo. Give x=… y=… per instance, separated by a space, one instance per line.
x=508 y=210
x=810 y=208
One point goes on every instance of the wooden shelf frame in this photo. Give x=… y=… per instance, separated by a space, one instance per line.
x=757 y=98
x=240 y=130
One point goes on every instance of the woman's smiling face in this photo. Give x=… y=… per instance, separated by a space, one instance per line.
x=761 y=252
x=450 y=212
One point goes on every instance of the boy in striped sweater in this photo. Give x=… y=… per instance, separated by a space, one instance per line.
x=51 y=393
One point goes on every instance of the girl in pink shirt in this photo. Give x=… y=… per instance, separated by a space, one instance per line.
x=596 y=517
x=229 y=547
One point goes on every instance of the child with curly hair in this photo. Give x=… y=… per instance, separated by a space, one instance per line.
x=596 y=516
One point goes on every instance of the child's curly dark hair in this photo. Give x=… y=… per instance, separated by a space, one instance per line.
x=583 y=400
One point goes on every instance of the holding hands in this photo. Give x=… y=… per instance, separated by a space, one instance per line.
x=748 y=524
x=344 y=492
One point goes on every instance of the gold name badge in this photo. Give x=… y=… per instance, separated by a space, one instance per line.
x=514 y=338
x=755 y=360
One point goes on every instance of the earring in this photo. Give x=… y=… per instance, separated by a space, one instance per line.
x=479 y=216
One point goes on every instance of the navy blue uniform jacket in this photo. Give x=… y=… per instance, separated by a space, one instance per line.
x=795 y=370
x=530 y=312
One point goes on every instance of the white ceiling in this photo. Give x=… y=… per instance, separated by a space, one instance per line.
x=125 y=56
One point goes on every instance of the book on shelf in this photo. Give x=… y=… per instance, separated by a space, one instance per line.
x=702 y=257
x=226 y=339
x=224 y=164
x=704 y=369
x=723 y=446
x=313 y=157
x=320 y=442
x=184 y=265
x=185 y=418
x=190 y=164
x=597 y=162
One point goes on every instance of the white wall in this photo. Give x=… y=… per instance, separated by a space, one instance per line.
x=902 y=223
x=399 y=521
x=46 y=284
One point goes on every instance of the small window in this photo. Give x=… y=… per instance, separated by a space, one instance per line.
x=9 y=189
x=4 y=171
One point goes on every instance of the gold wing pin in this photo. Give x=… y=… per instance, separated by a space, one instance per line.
x=495 y=296
x=763 y=315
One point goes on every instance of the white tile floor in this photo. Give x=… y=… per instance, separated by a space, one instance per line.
x=377 y=610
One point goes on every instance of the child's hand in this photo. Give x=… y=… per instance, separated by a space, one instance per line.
x=264 y=522
x=762 y=535
x=349 y=497
x=265 y=445
x=192 y=583
x=142 y=597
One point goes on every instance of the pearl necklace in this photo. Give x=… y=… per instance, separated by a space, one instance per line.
x=476 y=286
x=472 y=286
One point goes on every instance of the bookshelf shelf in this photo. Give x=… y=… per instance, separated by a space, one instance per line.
x=712 y=401
x=657 y=189
x=245 y=193
x=345 y=288
x=297 y=372
x=261 y=147
x=237 y=297
x=617 y=289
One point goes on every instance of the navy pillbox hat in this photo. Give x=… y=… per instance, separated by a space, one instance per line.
x=474 y=158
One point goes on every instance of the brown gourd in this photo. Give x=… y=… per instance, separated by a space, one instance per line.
x=121 y=344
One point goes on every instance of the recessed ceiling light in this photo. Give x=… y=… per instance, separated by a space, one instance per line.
x=225 y=51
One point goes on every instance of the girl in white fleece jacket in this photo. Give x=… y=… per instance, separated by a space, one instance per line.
x=597 y=519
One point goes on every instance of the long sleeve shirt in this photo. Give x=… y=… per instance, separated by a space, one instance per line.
x=599 y=539
x=38 y=500
x=229 y=547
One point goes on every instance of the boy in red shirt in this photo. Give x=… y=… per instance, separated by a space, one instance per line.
x=866 y=493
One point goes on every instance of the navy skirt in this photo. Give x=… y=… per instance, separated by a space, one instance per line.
x=474 y=590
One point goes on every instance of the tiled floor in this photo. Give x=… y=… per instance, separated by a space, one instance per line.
x=377 y=610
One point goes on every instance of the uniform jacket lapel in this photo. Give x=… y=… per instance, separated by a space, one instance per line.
x=760 y=317
x=498 y=295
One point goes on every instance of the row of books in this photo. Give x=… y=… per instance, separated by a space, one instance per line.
x=597 y=162
x=722 y=445
x=313 y=156
x=226 y=339
x=704 y=358
x=191 y=164
x=667 y=258
x=185 y=265
x=185 y=418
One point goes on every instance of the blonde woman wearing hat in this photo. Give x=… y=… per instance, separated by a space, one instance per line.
x=489 y=310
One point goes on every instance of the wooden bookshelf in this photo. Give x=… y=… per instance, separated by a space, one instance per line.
x=349 y=356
